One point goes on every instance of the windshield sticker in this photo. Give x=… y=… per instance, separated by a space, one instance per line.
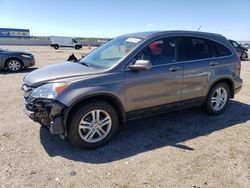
x=134 y=40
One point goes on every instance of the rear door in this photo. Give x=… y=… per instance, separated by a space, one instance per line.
x=162 y=83
x=198 y=65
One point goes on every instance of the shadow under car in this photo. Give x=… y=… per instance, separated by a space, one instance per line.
x=151 y=133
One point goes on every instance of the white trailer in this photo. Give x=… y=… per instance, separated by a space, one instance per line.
x=58 y=42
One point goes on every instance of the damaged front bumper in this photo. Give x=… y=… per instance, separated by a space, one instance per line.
x=48 y=113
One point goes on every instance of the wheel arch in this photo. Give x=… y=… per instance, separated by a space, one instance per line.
x=226 y=80
x=109 y=98
x=9 y=58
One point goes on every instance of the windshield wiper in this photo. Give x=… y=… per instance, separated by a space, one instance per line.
x=86 y=64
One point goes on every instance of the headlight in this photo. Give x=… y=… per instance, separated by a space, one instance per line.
x=26 y=56
x=49 y=91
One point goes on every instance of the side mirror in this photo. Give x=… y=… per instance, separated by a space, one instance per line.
x=141 y=65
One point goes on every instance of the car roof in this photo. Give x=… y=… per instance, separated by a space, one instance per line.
x=211 y=36
x=175 y=32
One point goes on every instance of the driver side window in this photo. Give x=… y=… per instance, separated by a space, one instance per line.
x=160 y=52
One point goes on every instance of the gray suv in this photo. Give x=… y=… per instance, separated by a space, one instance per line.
x=132 y=76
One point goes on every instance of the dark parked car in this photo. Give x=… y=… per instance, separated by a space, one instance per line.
x=241 y=51
x=14 y=61
x=132 y=76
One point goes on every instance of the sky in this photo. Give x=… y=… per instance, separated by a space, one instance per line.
x=110 y=18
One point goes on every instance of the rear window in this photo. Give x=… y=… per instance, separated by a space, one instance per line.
x=220 y=50
x=195 y=48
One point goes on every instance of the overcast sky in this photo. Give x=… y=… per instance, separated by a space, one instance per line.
x=109 y=18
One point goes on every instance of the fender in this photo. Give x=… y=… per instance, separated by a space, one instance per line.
x=75 y=96
x=223 y=78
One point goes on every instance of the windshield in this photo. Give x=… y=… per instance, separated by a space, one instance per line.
x=235 y=44
x=111 y=52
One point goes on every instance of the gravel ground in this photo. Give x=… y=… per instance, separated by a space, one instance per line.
x=182 y=149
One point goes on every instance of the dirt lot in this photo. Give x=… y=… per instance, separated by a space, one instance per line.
x=182 y=149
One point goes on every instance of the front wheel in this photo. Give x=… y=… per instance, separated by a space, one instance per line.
x=56 y=46
x=93 y=125
x=14 y=65
x=244 y=56
x=77 y=47
x=217 y=99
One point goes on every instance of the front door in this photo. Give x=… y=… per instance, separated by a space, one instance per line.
x=162 y=83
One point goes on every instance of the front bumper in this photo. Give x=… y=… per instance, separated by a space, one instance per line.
x=30 y=114
x=48 y=113
x=29 y=62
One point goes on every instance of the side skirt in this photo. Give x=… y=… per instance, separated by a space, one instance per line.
x=162 y=109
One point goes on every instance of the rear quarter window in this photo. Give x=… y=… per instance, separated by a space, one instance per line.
x=220 y=50
x=194 y=48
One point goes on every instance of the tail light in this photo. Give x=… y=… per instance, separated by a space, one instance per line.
x=239 y=60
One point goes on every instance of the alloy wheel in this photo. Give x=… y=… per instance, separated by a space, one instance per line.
x=14 y=65
x=95 y=126
x=219 y=99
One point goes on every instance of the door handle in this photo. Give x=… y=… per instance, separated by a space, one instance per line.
x=174 y=69
x=213 y=64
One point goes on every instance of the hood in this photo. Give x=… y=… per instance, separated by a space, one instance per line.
x=243 y=48
x=13 y=51
x=58 y=71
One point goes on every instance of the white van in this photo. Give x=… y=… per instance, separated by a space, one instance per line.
x=57 y=41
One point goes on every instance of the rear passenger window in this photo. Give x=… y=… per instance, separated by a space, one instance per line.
x=220 y=50
x=195 y=48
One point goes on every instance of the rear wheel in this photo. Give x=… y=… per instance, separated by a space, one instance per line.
x=14 y=65
x=217 y=99
x=56 y=46
x=93 y=125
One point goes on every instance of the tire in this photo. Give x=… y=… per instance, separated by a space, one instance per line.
x=77 y=47
x=56 y=46
x=243 y=57
x=215 y=105
x=89 y=135
x=14 y=65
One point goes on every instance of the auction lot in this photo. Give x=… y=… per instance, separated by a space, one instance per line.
x=187 y=148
